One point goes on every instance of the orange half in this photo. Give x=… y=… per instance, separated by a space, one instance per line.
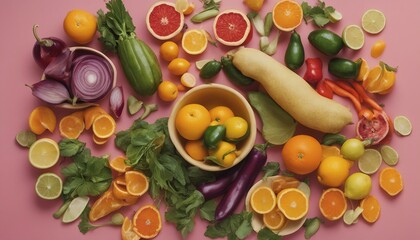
x=287 y=15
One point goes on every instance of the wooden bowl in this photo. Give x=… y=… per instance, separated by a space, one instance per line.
x=212 y=95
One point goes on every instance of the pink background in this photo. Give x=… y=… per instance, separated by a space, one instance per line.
x=24 y=215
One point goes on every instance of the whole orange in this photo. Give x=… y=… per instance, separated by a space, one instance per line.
x=80 y=26
x=302 y=154
x=167 y=91
x=192 y=120
x=221 y=114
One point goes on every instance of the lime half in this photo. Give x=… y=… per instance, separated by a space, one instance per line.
x=44 y=153
x=75 y=209
x=373 y=21
x=402 y=125
x=48 y=186
x=370 y=161
x=353 y=37
x=350 y=216
x=389 y=155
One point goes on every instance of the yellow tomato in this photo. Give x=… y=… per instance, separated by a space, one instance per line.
x=80 y=26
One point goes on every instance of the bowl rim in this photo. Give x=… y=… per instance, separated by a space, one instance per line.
x=86 y=104
x=252 y=132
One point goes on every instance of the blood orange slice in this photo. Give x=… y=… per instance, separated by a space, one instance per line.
x=231 y=27
x=164 y=21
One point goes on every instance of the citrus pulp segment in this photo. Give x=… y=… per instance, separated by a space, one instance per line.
x=44 y=153
x=147 y=222
x=194 y=41
x=389 y=155
x=370 y=161
x=164 y=21
x=402 y=125
x=75 y=209
x=373 y=21
x=48 y=186
x=231 y=27
x=353 y=37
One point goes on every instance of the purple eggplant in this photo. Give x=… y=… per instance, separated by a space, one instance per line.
x=46 y=49
x=216 y=188
x=252 y=166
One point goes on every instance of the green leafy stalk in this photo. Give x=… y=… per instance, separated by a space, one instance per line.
x=236 y=226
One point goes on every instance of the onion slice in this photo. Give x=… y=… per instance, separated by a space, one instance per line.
x=92 y=78
x=116 y=101
x=50 y=91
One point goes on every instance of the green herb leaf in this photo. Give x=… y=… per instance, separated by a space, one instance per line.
x=84 y=224
x=236 y=226
x=271 y=169
x=267 y=234
x=70 y=147
x=319 y=13
x=207 y=211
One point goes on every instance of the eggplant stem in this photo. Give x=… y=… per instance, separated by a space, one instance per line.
x=41 y=41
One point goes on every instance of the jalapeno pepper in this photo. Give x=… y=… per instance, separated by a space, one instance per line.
x=213 y=135
x=313 y=72
x=344 y=68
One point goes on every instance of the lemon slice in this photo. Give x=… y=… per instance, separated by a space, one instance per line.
x=389 y=155
x=75 y=209
x=370 y=161
x=188 y=80
x=48 y=186
x=402 y=125
x=353 y=37
x=373 y=21
x=44 y=153
x=200 y=63
x=194 y=41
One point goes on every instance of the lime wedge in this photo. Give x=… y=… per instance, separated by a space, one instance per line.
x=373 y=21
x=25 y=138
x=402 y=125
x=353 y=37
x=389 y=155
x=370 y=161
x=44 y=153
x=334 y=16
x=350 y=216
x=75 y=209
x=48 y=186
x=200 y=63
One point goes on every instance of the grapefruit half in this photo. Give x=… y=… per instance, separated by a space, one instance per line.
x=164 y=21
x=231 y=27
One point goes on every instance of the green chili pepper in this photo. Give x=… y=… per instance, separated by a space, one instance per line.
x=344 y=68
x=295 y=54
x=213 y=135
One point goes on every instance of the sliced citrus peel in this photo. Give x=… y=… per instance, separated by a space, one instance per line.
x=147 y=222
x=41 y=119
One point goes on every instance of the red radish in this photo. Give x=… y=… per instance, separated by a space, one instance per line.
x=231 y=27
x=163 y=21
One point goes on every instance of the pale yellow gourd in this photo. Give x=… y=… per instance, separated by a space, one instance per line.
x=292 y=92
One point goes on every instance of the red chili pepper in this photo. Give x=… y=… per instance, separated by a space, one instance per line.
x=343 y=93
x=313 y=72
x=324 y=90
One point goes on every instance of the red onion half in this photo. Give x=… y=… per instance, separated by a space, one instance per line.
x=92 y=78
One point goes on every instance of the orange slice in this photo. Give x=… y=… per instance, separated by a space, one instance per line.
x=293 y=203
x=118 y=164
x=120 y=192
x=332 y=204
x=42 y=118
x=363 y=71
x=372 y=81
x=71 y=126
x=287 y=15
x=127 y=232
x=104 y=205
x=328 y=151
x=104 y=126
x=194 y=41
x=99 y=141
x=90 y=114
x=390 y=180
x=371 y=209
x=274 y=220
x=263 y=200
x=147 y=222
x=137 y=182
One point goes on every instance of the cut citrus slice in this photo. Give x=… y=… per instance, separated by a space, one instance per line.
x=373 y=79
x=287 y=15
x=164 y=21
x=363 y=71
x=293 y=203
x=90 y=114
x=127 y=232
x=200 y=63
x=371 y=209
x=147 y=222
x=263 y=200
x=328 y=151
x=44 y=153
x=274 y=219
x=181 y=5
x=48 y=186
x=137 y=183
x=99 y=141
x=25 y=138
x=370 y=161
x=75 y=209
x=402 y=125
x=104 y=126
x=353 y=37
x=188 y=80
x=389 y=155
x=350 y=216
x=390 y=180
x=120 y=192
x=71 y=126
x=104 y=205
x=231 y=27
x=42 y=118
x=373 y=21
x=334 y=16
x=118 y=164
x=332 y=204
x=194 y=41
